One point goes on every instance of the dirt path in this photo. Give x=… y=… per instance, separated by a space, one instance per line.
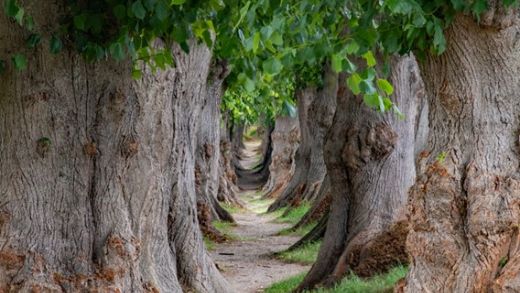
x=248 y=263
x=251 y=267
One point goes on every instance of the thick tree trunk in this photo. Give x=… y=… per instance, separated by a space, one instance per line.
x=97 y=173
x=367 y=224
x=316 y=111
x=320 y=206
x=208 y=155
x=465 y=206
x=285 y=139
x=227 y=191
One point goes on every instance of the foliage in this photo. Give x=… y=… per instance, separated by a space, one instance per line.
x=306 y=254
x=351 y=284
x=272 y=46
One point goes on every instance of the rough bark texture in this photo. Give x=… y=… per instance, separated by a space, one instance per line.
x=367 y=224
x=465 y=206
x=97 y=173
x=285 y=138
x=227 y=191
x=315 y=112
x=208 y=152
x=320 y=206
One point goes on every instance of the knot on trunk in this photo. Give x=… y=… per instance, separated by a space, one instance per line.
x=90 y=149
x=368 y=144
x=209 y=150
x=129 y=147
x=120 y=250
x=43 y=145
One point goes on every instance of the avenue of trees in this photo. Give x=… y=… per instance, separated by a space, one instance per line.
x=121 y=126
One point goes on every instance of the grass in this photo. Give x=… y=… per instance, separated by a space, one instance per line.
x=210 y=244
x=286 y=285
x=301 y=231
x=351 y=284
x=305 y=254
x=232 y=208
x=293 y=215
x=225 y=228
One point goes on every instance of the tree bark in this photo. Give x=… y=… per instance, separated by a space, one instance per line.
x=465 y=206
x=315 y=111
x=367 y=224
x=228 y=189
x=97 y=172
x=208 y=150
x=285 y=139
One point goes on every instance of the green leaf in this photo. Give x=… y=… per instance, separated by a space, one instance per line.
x=367 y=87
x=79 y=21
x=20 y=62
x=439 y=42
x=19 y=16
x=352 y=47
x=399 y=6
x=272 y=66
x=249 y=85
x=369 y=57
x=479 y=6
x=337 y=63
x=178 y=2
x=162 y=11
x=277 y=39
x=137 y=74
x=256 y=42
x=120 y=11
x=372 y=100
x=33 y=40
x=353 y=83
x=138 y=9
x=29 y=23
x=11 y=8
x=385 y=86
x=55 y=45
x=117 y=51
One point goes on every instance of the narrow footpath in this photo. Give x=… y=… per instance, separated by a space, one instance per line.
x=248 y=261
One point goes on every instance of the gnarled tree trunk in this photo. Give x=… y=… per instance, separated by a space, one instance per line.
x=227 y=190
x=315 y=111
x=97 y=172
x=285 y=138
x=465 y=206
x=370 y=161
x=208 y=154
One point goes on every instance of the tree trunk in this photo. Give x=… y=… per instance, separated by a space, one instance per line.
x=465 y=206
x=316 y=111
x=285 y=139
x=97 y=173
x=207 y=157
x=227 y=191
x=320 y=206
x=367 y=224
